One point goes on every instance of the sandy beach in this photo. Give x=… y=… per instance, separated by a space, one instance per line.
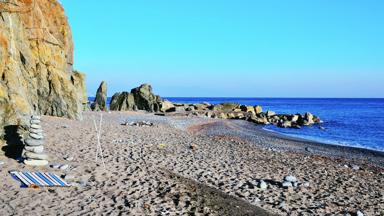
x=193 y=166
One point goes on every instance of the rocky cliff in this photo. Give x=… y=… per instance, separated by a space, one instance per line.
x=36 y=58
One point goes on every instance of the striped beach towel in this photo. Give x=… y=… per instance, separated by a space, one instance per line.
x=39 y=179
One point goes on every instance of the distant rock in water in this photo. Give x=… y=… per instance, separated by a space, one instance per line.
x=100 y=103
x=36 y=59
x=140 y=98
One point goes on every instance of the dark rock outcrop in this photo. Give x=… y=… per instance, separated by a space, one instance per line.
x=100 y=103
x=36 y=58
x=140 y=98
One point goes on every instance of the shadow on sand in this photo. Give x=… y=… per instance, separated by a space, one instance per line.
x=14 y=146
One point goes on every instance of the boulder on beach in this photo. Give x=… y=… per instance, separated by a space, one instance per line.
x=36 y=63
x=245 y=108
x=140 y=98
x=258 y=109
x=100 y=103
x=167 y=106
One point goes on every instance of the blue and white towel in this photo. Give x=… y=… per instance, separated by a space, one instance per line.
x=39 y=179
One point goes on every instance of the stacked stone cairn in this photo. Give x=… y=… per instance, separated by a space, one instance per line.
x=34 y=145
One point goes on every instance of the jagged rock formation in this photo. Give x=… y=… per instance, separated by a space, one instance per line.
x=140 y=98
x=100 y=103
x=36 y=58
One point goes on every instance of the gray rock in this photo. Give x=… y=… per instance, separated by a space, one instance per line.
x=37 y=131
x=263 y=185
x=35 y=126
x=34 y=149
x=270 y=113
x=287 y=184
x=100 y=103
x=355 y=167
x=290 y=178
x=36 y=136
x=359 y=213
x=68 y=158
x=35 y=121
x=305 y=184
x=2 y=162
x=35 y=117
x=36 y=156
x=34 y=142
x=64 y=167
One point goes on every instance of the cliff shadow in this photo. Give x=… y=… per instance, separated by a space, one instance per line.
x=14 y=145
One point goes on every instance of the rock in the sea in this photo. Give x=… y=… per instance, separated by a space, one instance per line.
x=290 y=178
x=35 y=156
x=245 y=108
x=31 y=162
x=34 y=142
x=100 y=103
x=258 y=109
x=270 y=113
x=226 y=107
x=36 y=63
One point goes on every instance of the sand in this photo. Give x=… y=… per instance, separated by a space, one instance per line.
x=193 y=166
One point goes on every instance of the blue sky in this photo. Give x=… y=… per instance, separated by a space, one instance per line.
x=238 y=48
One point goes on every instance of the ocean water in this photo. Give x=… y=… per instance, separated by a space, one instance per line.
x=349 y=122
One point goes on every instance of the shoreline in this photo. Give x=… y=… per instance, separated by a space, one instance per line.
x=305 y=146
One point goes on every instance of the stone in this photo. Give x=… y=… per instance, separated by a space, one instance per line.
x=359 y=213
x=64 y=167
x=2 y=162
x=35 y=126
x=36 y=63
x=263 y=185
x=36 y=136
x=227 y=107
x=33 y=121
x=286 y=184
x=55 y=166
x=258 y=109
x=36 y=156
x=167 y=106
x=37 y=131
x=31 y=162
x=355 y=167
x=69 y=158
x=35 y=117
x=34 y=149
x=33 y=142
x=290 y=178
x=270 y=113
x=123 y=101
x=306 y=184
x=245 y=108
x=100 y=102
x=200 y=107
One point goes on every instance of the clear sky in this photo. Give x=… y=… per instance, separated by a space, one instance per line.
x=238 y=48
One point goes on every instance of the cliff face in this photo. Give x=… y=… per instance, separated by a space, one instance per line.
x=36 y=58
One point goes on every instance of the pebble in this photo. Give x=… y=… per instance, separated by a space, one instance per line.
x=36 y=136
x=64 y=167
x=35 y=126
x=263 y=185
x=68 y=158
x=34 y=149
x=359 y=213
x=69 y=177
x=2 y=162
x=55 y=166
x=282 y=205
x=35 y=117
x=306 y=184
x=355 y=167
x=35 y=121
x=36 y=156
x=287 y=184
x=34 y=142
x=31 y=162
x=290 y=178
x=37 y=131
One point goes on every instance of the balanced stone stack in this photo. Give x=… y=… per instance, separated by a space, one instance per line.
x=34 y=145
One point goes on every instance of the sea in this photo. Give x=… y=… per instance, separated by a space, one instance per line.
x=352 y=122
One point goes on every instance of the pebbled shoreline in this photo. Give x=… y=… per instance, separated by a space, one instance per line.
x=191 y=165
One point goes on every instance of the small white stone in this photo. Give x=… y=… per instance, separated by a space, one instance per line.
x=36 y=156
x=290 y=178
x=35 y=117
x=31 y=162
x=35 y=121
x=359 y=213
x=55 y=166
x=2 y=162
x=34 y=142
x=69 y=158
x=36 y=136
x=287 y=184
x=34 y=149
x=37 y=131
x=263 y=185
x=35 y=126
x=64 y=167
